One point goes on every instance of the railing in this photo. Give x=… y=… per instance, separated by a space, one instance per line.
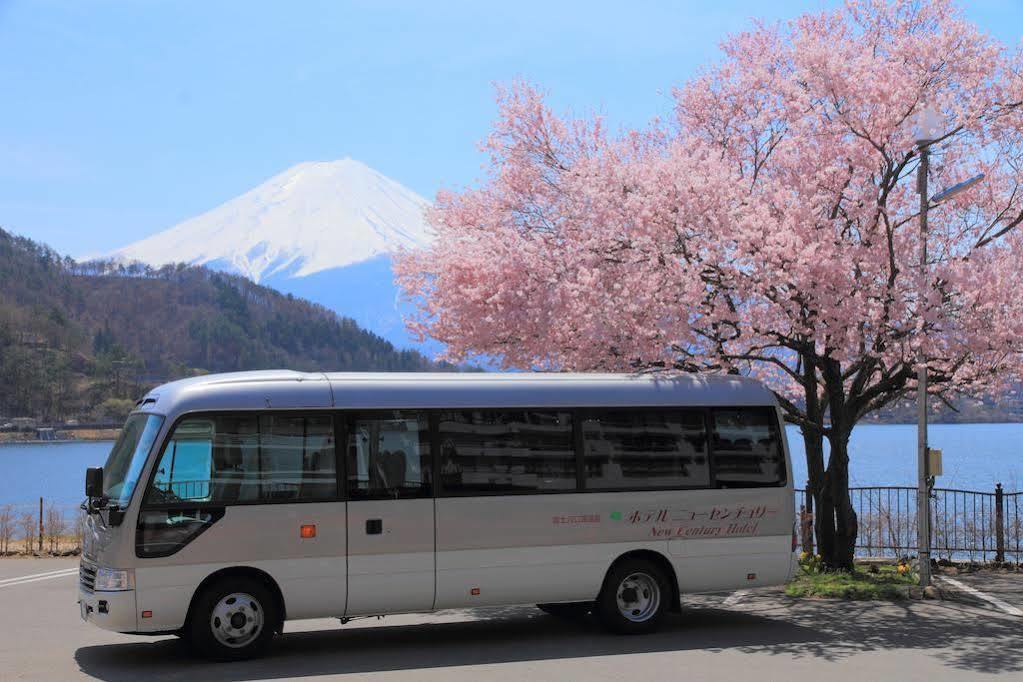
x=965 y=524
x=187 y=490
x=1012 y=522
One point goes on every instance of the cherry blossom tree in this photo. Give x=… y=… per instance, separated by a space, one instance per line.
x=769 y=227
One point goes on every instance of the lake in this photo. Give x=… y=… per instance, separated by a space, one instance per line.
x=976 y=456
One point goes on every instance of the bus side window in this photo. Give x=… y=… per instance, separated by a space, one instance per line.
x=185 y=469
x=747 y=448
x=297 y=457
x=486 y=452
x=389 y=456
x=649 y=448
x=231 y=459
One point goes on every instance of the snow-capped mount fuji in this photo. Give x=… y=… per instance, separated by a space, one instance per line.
x=324 y=231
x=312 y=217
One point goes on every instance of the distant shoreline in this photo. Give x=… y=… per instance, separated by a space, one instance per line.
x=78 y=436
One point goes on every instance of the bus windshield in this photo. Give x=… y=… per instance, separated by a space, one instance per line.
x=121 y=472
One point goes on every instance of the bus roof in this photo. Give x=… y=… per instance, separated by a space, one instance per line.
x=285 y=389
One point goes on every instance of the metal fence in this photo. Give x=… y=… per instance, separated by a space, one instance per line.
x=966 y=525
x=188 y=490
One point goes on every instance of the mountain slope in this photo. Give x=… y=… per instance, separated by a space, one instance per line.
x=73 y=335
x=312 y=217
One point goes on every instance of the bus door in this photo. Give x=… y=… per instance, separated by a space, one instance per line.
x=244 y=489
x=391 y=538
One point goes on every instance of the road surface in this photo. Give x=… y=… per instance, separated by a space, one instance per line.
x=757 y=634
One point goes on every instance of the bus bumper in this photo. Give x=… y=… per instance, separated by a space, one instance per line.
x=109 y=610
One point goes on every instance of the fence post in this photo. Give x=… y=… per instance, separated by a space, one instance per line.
x=999 y=524
x=806 y=520
x=40 y=524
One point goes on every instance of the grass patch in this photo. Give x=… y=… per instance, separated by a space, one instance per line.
x=886 y=584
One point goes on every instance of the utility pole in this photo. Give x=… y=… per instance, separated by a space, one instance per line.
x=927 y=134
x=923 y=493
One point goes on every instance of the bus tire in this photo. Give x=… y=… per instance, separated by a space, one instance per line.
x=567 y=611
x=233 y=619
x=634 y=598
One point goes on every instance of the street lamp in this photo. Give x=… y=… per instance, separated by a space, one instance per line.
x=947 y=194
x=927 y=133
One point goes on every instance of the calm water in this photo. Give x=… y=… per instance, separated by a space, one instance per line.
x=54 y=471
x=976 y=456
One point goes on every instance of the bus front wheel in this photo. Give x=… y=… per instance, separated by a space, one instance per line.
x=634 y=598
x=233 y=620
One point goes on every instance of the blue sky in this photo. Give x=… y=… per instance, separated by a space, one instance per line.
x=118 y=120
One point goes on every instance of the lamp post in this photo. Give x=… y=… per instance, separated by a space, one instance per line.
x=923 y=506
x=928 y=125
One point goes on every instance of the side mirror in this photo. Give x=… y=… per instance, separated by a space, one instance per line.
x=94 y=482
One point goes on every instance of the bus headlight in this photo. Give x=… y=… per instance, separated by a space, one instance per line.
x=114 y=580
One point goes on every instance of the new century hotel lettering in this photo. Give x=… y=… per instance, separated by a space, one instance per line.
x=718 y=521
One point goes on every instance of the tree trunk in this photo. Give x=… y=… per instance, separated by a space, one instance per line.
x=813 y=445
x=842 y=522
x=838 y=518
x=824 y=516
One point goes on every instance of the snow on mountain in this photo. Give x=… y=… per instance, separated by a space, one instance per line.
x=313 y=217
x=324 y=231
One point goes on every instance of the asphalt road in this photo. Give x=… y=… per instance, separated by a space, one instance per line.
x=757 y=635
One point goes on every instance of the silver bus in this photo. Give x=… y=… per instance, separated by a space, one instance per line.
x=232 y=503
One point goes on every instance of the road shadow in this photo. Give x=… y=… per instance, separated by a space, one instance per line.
x=490 y=636
x=832 y=631
x=960 y=635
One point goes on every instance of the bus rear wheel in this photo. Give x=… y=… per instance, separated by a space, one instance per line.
x=233 y=620
x=634 y=598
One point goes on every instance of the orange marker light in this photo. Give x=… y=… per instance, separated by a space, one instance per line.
x=308 y=531
x=147 y=614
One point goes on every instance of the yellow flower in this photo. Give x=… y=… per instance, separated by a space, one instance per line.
x=804 y=556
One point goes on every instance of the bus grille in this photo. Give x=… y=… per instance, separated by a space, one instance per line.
x=87 y=575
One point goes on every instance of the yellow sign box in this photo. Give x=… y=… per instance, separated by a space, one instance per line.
x=933 y=462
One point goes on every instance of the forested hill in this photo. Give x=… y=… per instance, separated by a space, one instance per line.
x=79 y=340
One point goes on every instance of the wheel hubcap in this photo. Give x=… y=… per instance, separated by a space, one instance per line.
x=237 y=619
x=639 y=597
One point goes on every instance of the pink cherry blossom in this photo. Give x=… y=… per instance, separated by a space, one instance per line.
x=769 y=228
